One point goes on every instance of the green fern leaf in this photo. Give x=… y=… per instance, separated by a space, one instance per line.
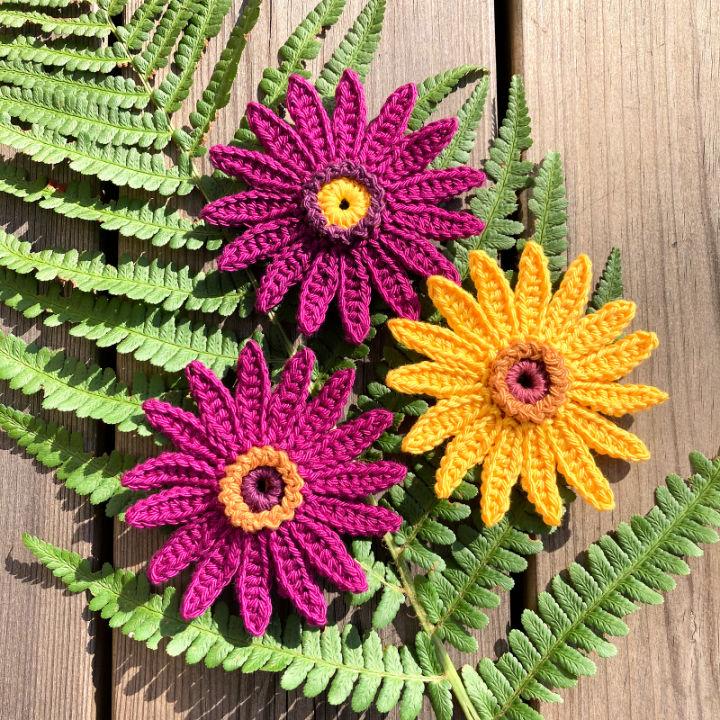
x=65 y=55
x=46 y=3
x=497 y=203
x=93 y=24
x=610 y=285
x=357 y=48
x=137 y=30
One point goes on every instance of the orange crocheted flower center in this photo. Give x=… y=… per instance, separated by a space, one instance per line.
x=261 y=489
x=344 y=201
x=528 y=381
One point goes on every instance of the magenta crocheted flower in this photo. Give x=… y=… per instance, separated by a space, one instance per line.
x=260 y=486
x=339 y=205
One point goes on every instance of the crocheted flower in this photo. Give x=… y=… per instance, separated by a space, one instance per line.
x=521 y=378
x=338 y=205
x=261 y=484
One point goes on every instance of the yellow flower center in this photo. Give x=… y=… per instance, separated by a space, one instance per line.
x=344 y=202
x=261 y=489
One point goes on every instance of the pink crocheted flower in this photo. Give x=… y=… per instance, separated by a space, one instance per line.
x=261 y=484
x=338 y=204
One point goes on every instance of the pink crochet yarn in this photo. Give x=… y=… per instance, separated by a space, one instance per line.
x=338 y=205
x=261 y=484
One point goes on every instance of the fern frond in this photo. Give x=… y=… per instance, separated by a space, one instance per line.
x=631 y=567
x=65 y=55
x=610 y=285
x=346 y=665
x=122 y=166
x=112 y=91
x=46 y=3
x=54 y=447
x=92 y=24
x=496 y=203
x=433 y=90
x=136 y=31
x=356 y=49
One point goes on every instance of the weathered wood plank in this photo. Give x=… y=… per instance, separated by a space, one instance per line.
x=628 y=93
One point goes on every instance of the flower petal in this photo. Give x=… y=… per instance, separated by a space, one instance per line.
x=285 y=270
x=435 y=223
x=538 y=476
x=578 y=467
x=494 y=295
x=465 y=451
x=327 y=554
x=500 y=472
x=615 y=399
x=252 y=393
x=431 y=378
x=255 y=168
x=317 y=291
x=418 y=149
x=290 y=394
x=279 y=139
x=433 y=186
x=603 y=436
x=446 y=418
x=251 y=206
x=349 y=517
x=170 y=507
x=417 y=254
x=212 y=575
x=310 y=118
x=356 y=480
x=351 y=438
x=294 y=579
x=533 y=289
x=350 y=115
x=252 y=583
x=354 y=297
x=617 y=360
x=170 y=468
x=597 y=329
x=567 y=305
x=392 y=283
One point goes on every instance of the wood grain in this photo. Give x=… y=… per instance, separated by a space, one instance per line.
x=627 y=92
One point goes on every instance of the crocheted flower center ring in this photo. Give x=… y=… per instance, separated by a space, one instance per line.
x=261 y=489
x=528 y=381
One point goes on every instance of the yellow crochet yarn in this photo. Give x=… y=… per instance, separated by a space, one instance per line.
x=343 y=201
x=521 y=378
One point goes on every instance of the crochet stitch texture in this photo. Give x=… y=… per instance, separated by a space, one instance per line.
x=261 y=484
x=339 y=205
x=521 y=379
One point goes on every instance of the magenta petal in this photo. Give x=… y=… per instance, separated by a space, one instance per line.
x=255 y=168
x=212 y=575
x=252 y=584
x=392 y=283
x=420 y=148
x=417 y=254
x=294 y=579
x=350 y=115
x=279 y=139
x=437 y=223
x=329 y=557
x=350 y=439
x=252 y=394
x=356 y=479
x=289 y=396
x=388 y=127
x=281 y=274
x=311 y=120
x=349 y=517
x=170 y=468
x=354 y=297
x=251 y=206
x=435 y=185
x=170 y=507
x=318 y=290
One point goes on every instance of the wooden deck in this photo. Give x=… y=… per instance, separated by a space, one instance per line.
x=629 y=93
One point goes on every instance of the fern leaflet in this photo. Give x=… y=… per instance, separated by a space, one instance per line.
x=93 y=24
x=66 y=55
x=610 y=285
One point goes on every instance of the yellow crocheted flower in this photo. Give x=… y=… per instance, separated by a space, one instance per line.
x=521 y=378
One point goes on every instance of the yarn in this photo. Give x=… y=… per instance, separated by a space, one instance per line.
x=341 y=206
x=521 y=377
x=261 y=485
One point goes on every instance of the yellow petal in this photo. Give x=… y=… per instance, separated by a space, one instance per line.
x=464 y=452
x=538 y=474
x=447 y=418
x=603 y=436
x=597 y=329
x=568 y=304
x=430 y=378
x=500 y=472
x=614 y=361
x=436 y=342
x=533 y=289
x=494 y=295
x=615 y=399
x=578 y=467
x=461 y=311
